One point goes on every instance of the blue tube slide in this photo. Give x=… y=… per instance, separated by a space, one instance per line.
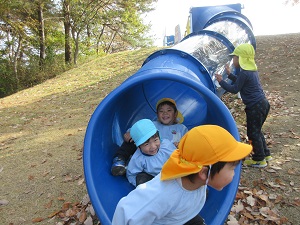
x=167 y=73
x=183 y=73
x=212 y=50
x=226 y=20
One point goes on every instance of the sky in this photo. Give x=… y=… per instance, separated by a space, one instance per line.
x=266 y=16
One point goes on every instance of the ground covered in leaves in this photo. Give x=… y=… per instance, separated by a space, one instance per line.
x=271 y=195
x=41 y=142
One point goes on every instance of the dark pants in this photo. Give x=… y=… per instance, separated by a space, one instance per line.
x=125 y=150
x=256 y=116
x=142 y=177
x=197 y=220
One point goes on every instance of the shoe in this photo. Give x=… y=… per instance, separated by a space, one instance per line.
x=118 y=167
x=268 y=158
x=258 y=164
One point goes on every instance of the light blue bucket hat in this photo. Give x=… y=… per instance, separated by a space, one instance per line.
x=142 y=130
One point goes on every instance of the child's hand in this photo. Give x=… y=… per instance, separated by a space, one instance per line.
x=127 y=137
x=218 y=77
x=227 y=68
x=176 y=144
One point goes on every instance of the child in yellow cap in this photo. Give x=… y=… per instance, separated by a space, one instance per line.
x=206 y=155
x=257 y=106
x=169 y=123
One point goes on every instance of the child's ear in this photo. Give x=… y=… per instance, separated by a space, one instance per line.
x=203 y=173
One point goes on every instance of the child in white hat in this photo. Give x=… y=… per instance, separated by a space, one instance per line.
x=257 y=106
x=169 y=123
x=207 y=155
x=151 y=154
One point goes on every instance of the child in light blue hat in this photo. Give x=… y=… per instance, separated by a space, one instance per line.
x=169 y=123
x=151 y=154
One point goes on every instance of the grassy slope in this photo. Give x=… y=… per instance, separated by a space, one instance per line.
x=42 y=131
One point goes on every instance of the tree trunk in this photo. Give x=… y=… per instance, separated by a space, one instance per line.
x=67 y=25
x=99 y=38
x=76 y=40
x=41 y=36
x=111 y=41
x=15 y=60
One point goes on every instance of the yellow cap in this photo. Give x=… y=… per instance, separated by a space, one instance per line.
x=246 y=54
x=203 y=146
x=180 y=118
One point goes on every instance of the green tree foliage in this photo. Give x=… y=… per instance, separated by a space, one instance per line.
x=39 y=38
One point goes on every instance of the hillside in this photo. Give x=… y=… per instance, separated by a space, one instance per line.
x=42 y=132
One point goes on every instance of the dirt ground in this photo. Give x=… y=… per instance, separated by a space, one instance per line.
x=41 y=173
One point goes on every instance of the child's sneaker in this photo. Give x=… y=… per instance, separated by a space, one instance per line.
x=118 y=167
x=258 y=164
x=268 y=158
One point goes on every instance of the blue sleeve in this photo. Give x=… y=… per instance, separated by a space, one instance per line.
x=134 y=167
x=235 y=87
x=232 y=77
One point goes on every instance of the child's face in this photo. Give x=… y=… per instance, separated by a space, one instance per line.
x=223 y=178
x=151 y=147
x=166 y=115
x=235 y=61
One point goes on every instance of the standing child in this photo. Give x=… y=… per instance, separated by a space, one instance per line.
x=207 y=155
x=257 y=106
x=169 y=123
x=152 y=152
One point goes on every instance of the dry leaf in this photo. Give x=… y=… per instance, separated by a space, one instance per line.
x=250 y=200
x=70 y=213
x=232 y=220
x=37 y=220
x=66 y=206
x=49 y=204
x=81 y=181
x=53 y=214
x=88 y=221
x=238 y=208
x=271 y=170
x=248 y=215
x=296 y=202
x=3 y=202
x=82 y=216
x=264 y=211
x=276 y=167
x=61 y=198
x=68 y=178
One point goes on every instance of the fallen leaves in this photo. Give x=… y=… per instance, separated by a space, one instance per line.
x=77 y=213
x=255 y=205
x=260 y=203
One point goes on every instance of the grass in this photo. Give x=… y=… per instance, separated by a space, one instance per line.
x=42 y=132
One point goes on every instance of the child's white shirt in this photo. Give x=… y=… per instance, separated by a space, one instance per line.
x=152 y=165
x=171 y=132
x=159 y=202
